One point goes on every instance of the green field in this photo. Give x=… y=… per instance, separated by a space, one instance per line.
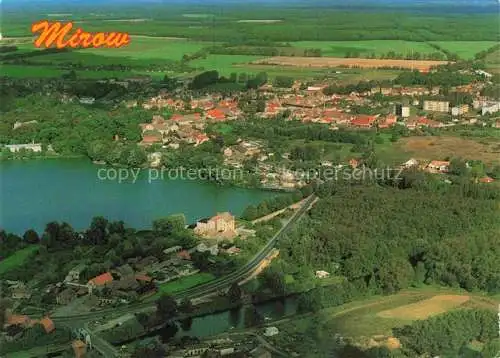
x=223 y=63
x=466 y=49
x=19 y=71
x=362 y=320
x=30 y=71
x=17 y=259
x=141 y=50
x=153 y=48
x=364 y=48
x=224 y=128
x=185 y=283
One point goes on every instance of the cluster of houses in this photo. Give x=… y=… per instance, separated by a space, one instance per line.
x=139 y=276
x=309 y=105
x=224 y=347
x=438 y=167
x=15 y=325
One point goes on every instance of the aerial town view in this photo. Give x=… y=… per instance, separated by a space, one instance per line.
x=250 y=179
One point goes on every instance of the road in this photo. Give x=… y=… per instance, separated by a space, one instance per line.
x=199 y=291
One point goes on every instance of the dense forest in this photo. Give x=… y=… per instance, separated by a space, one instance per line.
x=390 y=238
x=228 y=22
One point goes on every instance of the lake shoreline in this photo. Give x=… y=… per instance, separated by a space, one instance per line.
x=68 y=190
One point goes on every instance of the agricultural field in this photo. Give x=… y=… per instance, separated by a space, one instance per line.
x=31 y=71
x=465 y=49
x=365 y=48
x=370 y=322
x=225 y=64
x=44 y=71
x=426 y=308
x=322 y=62
x=17 y=259
x=147 y=48
x=439 y=148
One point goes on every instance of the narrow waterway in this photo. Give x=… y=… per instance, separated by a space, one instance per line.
x=222 y=322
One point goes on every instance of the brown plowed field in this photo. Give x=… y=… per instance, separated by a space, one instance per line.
x=347 y=62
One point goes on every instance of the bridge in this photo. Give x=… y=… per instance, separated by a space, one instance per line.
x=209 y=288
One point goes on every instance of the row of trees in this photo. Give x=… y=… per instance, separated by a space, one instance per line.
x=210 y=78
x=269 y=206
x=392 y=55
x=440 y=78
x=270 y=50
x=106 y=244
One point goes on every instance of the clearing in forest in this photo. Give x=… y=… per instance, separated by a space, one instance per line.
x=424 y=309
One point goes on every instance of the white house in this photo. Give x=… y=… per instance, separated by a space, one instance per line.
x=271 y=331
x=410 y=163
x=490 y=108
x=484 y=73
x=30 y=146
x=322 y=274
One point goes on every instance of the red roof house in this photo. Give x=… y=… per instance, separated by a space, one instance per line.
x=47 y=324
x=353 y=163
x=363 y=121
x=216 y=114
x=184 y=255
x=101 y=280
x=176 y=117
x=486 y=180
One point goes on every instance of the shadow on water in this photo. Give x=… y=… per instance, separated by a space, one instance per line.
x=218 y=323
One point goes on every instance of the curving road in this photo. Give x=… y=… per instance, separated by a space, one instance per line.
x=199 y=291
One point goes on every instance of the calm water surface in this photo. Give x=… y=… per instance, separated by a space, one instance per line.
x=36 y=192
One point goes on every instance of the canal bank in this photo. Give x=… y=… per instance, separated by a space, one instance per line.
x=224 y=321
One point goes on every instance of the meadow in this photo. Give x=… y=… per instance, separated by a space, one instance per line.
x=151 y=48
x=465 y=49
x=185 y=283
x=370 y=321
x=17 y=259
x=365 y=47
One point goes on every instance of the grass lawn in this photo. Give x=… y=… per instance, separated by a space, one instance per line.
x=363 y=48
x=17 y=259
x=224 y=128
x=466 y=49
x=185 y=283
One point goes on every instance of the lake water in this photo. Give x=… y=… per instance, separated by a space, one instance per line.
x=36 y=192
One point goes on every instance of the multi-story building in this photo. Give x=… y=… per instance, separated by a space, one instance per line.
x=460 y=110
x=437 y=106
x=402 y=110
x=221 y=225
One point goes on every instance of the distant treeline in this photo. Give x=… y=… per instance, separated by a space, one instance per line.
x=265 y=51
x=23 y=55
x=392 y=55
